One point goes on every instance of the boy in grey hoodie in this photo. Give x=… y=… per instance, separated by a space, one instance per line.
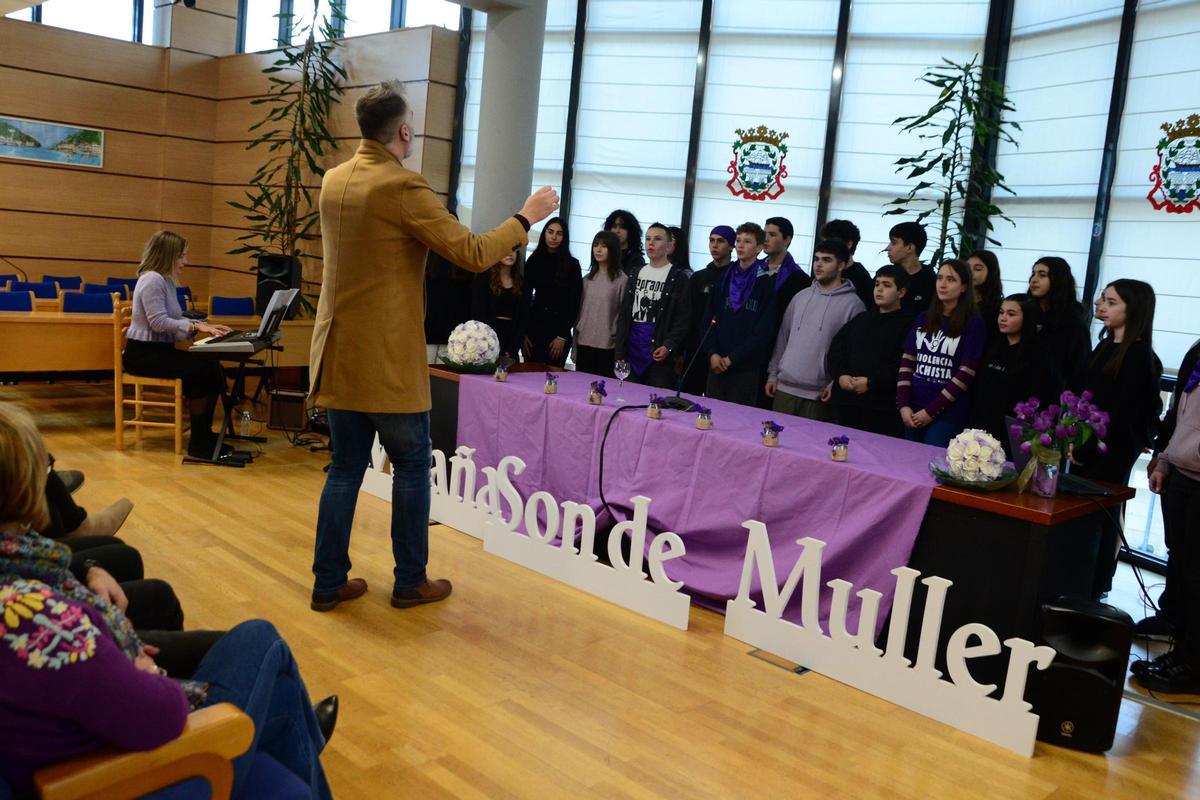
x=797 y=377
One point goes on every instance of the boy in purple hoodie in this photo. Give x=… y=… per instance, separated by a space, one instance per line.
x=797 y=377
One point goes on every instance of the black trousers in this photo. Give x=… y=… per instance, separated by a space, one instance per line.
x=1114 y=466
x=201 y=377
x=660 y=374
x=540 y=354
x=594 y=361
x=1181 y=513
x=112 y=555
x=65 y=515
x=872 y=420
x=733 y=386
x=157 y=617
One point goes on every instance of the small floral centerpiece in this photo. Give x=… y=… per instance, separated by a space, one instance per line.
x=551 y=386
x=1050 y=434
x=974 y=460
x=839 y=448
x=597 y=393
x=770 y=433
x=472 y=347
x=703 y=417
x=654 y=410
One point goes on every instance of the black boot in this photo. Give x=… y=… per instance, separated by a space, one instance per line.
x=327 y=714
x=201 y=440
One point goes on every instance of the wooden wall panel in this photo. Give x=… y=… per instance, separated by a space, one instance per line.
x=201 y=31
x=40 y=48
x=83 y=192
x=175 y=125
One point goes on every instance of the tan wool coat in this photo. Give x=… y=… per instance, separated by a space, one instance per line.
x=378 y=222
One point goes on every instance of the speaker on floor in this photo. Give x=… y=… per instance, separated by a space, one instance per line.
x=277 y=272
x=1078 y=698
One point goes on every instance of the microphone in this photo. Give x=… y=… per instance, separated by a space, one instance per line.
x=24 y=277
x=679 y=403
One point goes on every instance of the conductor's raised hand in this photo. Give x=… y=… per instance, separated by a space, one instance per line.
x=540 y=205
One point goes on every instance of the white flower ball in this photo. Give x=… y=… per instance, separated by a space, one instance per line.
x=473 y=343
x=975 y=455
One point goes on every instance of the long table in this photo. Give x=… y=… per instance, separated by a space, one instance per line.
x=1005 y=552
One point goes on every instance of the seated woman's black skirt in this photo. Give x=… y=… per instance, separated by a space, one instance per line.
x=201 y=377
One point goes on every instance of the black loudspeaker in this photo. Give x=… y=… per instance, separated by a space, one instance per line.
x=276 y=272
x=1078 y=698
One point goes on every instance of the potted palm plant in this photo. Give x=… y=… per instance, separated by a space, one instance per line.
x=954 y=174
x=280 y=207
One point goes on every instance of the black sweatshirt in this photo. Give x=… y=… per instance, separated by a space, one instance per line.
x=869 y=345
x=1070 y=346
x=1009 y=375
x=556 y=291
x=1133 y=403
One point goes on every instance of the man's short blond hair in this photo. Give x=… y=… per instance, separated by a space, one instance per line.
x=24 y=464
x=380 y=112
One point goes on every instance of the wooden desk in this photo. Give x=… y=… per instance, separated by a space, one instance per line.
x=51 y=341
x=1007 y=553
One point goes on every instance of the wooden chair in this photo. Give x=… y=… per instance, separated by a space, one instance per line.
x=212 y=738
x=121 y=320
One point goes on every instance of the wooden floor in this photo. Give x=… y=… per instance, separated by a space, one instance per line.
x=521 y=687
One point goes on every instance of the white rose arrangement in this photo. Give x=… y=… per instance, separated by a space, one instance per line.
x=975 y=455
x=473 y=344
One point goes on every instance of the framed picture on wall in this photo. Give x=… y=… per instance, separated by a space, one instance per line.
x=34 y=140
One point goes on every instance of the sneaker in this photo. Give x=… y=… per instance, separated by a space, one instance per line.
x=427 y=592
x=327 y=601
x=1139 y=667
x=1155 y=627
x=1181 y=677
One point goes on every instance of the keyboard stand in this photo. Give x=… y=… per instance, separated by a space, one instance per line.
x=229 y=399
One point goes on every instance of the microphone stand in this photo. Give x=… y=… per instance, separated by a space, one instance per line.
x=680 y=403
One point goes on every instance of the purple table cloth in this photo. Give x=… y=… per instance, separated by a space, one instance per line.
x=705 y=484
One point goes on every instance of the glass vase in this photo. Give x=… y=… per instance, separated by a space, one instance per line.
x=1044 y=482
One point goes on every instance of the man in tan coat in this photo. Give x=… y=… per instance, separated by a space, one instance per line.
x=368 y=365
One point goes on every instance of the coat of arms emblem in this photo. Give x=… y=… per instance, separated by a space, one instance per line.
x=757 y=166
x=1176 y=176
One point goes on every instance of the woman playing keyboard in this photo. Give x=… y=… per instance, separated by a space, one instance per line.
x=158 y=323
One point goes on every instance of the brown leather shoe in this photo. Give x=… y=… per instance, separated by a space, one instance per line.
x=427 y=592
x=327 y=601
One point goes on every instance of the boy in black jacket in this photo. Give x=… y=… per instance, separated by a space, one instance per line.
x=744 y=307
x=864 y=359
x=655 y=313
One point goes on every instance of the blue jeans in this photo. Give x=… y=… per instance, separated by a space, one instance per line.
x=405 y=437
x=253 y=668
x=938 y=433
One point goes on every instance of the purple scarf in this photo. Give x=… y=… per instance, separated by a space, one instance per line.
x=1194 y=380
x=786 y=269
x=740 y=284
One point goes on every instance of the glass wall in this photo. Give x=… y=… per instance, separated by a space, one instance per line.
x=368 y=16
x=1060 y=72
x=111 y=18
x=777 y=76
x=432 y=12
x=892 y=43
x=262 y=25
x=639 y=71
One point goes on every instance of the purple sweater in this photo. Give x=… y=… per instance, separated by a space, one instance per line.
x=66 y=689
x=936 y=370
x=157 y=316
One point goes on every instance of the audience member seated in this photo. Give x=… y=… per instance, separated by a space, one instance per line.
x=158 y=323
x=67 y=518
x=82 y=679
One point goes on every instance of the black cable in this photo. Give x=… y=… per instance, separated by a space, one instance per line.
x=603 y=442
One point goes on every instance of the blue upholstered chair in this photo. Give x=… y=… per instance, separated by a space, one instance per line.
x=16 y=301
x=128 y=283
x=6 y=279
x=184 y=293
x=106 y=288
x=231 y=306
x=66 y=283
x=84 y=303
x=43 y=291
